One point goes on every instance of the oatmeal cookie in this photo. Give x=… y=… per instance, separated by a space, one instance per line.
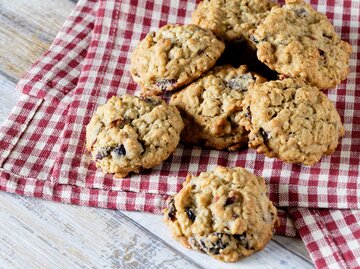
x=299 y=42
x=231 y=20
x=292 y=121
x=224 y=213
x=211 y=107
x=129 y=133
x=173 y=57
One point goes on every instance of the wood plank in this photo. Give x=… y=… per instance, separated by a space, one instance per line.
x=26 y=31
x=8 y=97
x=42 y=234
x=295 y=245
x=38 y=233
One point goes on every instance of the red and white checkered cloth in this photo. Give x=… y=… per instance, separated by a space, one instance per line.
x=42 y=151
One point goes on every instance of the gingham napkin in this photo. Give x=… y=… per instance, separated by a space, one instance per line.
x=42 y=150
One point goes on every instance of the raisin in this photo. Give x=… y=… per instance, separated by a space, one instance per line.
x=234 y=197
x=190 y=213
x=103 y=152
x=242 y=238
x=214 y=242
x=171 y=209
x=264 y=134
x=230 y=200
x=301 y=12
x=120 y=150
x=163 y=84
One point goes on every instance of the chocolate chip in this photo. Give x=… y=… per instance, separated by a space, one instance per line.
x=214 y=243
x=301 y=12
x=171 y=214
x=190 y=213
x=103 y=152
x=120 y=150
x=163 y=84
x=264 y=134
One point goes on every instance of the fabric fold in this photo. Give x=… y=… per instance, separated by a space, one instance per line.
x=332 y=237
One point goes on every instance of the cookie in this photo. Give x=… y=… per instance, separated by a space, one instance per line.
x=231 y=20
x=129 y=133
x=211 y=107
x=292 y=121
x=299 y=42
x=224 y=213
x=173 y=57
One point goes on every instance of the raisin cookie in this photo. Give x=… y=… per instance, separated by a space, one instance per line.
x=129 y=133
x=224 y=213
x=173 y=57
x=299 y=42
x=231 y=20
x=211 y=107
x=292 y=121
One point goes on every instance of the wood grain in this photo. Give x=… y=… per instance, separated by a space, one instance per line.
x=26 y=31
x=41 y=234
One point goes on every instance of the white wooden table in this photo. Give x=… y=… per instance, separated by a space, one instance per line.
x=40 y=234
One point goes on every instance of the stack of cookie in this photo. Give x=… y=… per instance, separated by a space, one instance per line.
x=271 y=100
x=229 y=107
